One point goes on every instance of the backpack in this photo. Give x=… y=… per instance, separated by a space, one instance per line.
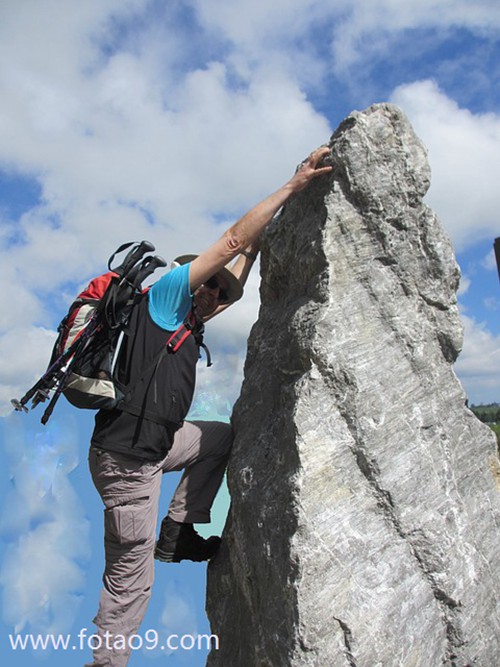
x=90 y=385
x=85 y=353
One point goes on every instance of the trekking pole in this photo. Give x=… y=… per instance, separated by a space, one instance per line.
x=496 y=245
x=140 y=272
x=40 y=390
x=64 y=372
x=132 y=257
x=61 y=383
x=128 y=288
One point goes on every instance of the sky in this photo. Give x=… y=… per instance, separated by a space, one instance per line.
x=166 y=120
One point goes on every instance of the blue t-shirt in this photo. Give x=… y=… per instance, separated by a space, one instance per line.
x=170 y=299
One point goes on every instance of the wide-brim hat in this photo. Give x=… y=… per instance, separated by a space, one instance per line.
x=234 y=287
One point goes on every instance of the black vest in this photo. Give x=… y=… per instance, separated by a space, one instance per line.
x=158 y=387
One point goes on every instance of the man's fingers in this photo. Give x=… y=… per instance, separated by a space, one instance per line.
x=309 y=167
x=319 y=153
x=323 y=170
x=317 y=156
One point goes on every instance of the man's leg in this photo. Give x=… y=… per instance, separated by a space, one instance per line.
x=202 y=450
x=130 y=492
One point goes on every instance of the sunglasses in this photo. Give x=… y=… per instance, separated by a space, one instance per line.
x=212 y=283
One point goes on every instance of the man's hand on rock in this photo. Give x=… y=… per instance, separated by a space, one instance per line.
x=309 y=169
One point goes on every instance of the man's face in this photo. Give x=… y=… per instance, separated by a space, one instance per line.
x=210 y=295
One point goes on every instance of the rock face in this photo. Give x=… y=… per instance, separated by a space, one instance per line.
x=365 y=513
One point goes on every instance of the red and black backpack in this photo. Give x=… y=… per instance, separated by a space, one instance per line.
x=83 y=360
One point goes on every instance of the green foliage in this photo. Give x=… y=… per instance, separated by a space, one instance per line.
x=489 y=414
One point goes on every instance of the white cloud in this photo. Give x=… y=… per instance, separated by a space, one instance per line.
x=123 y=122
x=465 y=284
x=463 y=154
x=478 y=365
x=250 y=22
x=178 y=615
x=177 y=619
x=369 y=27
x=315 y=35
x=24 y=355
x=45 y=528
x=489 y=261
x=114 y=147
x=491 y=303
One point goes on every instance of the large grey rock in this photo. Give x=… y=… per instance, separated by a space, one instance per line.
x=365 y=503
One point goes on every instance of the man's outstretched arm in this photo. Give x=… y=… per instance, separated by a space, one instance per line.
x=241 y=269
x=248 y=228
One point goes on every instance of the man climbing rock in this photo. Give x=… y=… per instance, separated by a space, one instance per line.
x=132 y=447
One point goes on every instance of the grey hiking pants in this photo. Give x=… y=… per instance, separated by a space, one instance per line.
x=130 y=491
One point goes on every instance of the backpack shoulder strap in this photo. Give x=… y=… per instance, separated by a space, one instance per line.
x=178 y=337
x=191 y=325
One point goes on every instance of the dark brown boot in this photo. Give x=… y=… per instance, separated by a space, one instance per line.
x=180 y=541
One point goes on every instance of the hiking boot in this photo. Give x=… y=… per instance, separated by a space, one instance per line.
x=180 y=541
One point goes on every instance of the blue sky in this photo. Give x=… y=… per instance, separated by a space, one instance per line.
x=165 y=120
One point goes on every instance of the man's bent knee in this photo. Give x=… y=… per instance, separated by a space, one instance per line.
x=225 y=438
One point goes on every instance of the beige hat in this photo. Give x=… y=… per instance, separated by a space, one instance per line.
x=234 y=287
